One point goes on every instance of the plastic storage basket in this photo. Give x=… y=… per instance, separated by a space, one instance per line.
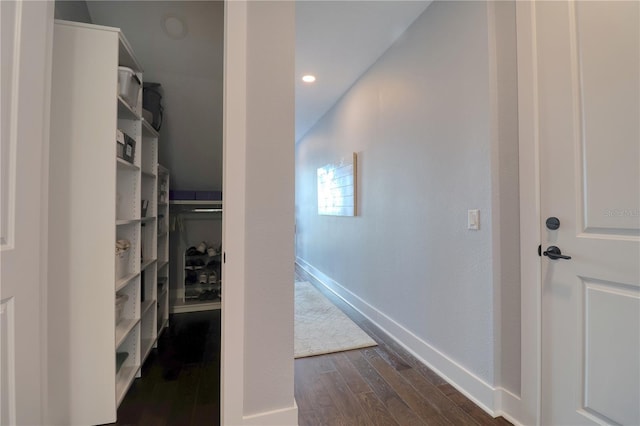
x=129 y=86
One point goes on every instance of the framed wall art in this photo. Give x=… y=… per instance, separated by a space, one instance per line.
x=337 y=188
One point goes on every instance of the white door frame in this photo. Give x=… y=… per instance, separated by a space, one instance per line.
x=529 y=165
x=233 y=217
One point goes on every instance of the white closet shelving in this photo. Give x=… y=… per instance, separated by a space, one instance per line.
x=96 y=200
x=163 y=249
x=149 y=238
x=191 y=293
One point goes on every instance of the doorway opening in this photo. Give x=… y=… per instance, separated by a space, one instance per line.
x=177 y=51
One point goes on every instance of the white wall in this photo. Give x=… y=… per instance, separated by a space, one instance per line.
x=257 y=323
x=424 y=123
x=269 y=206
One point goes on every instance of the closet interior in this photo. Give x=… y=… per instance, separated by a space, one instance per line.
x=136 y=164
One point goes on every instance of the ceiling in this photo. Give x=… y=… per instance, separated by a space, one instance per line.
x=337 y=41
x=189 y=65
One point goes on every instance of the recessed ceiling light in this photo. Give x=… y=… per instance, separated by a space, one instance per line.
x=308 y=78
x=174 y=26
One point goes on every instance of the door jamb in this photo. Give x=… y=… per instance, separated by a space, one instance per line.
x=233 y=216
x=44 y=217
x=529 y=169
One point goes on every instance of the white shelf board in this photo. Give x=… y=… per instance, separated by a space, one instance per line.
x=202 y=286
x=148 y=130
x=148 y=174
x=165 y=289
x=163 y=293
x=120 y=222
x=162 y=204
x=196 y=202
x=163 y=264
x=146 y=345
x=125 y=110
x=161 y=329
x=179 y=307
x=196 y=206
x=144 y=306
x=148 y=219
x=122 y=282
x=124 y=164
x=146 y=264
x=163 y=234
x=123 y=328
x=163 y=170
x=124 y=378
x=126 y=58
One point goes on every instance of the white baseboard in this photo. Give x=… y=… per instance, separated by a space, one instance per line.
x=495 y=401
x=508 y=406
x=281 y=417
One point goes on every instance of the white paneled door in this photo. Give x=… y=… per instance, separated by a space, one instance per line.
x=26 y=28
x=588 y=88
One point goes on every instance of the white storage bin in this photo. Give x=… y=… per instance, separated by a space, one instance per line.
x=121 y=299
x=122 y=263
x=129 y=86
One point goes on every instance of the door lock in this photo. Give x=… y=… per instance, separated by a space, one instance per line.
x=552 y=223
x=554 y=253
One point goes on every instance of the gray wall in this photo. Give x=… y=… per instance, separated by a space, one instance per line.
x=424 y=122
x=75 y=10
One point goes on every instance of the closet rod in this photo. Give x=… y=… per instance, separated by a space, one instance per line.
x=202 y=210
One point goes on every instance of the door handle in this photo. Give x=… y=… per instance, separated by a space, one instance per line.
x=554 y=253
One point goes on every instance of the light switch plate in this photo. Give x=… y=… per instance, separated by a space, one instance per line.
x=473 y=219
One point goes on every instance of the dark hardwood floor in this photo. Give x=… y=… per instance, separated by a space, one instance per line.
x=180 y=383
x=382 y=385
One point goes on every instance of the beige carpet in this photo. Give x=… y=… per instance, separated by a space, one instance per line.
x=322 y=328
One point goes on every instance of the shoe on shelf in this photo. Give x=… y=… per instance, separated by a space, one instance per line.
x=205 y=295
x=189 y=265
x=198 y=264
x=192 y=251
x=213 y=264
x=202 y=247
x=204 y=277
x=213 y=278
